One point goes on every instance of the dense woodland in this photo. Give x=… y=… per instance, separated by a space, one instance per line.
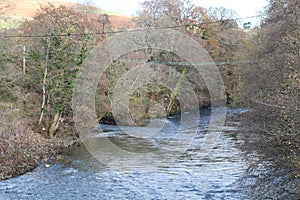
x=260 y=68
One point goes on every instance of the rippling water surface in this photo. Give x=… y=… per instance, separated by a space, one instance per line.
x=195 y=174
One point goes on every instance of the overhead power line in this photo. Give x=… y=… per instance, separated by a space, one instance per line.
x=126 y=31
x=182 y=63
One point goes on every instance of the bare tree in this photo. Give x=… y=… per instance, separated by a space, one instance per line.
x=221 y=13
x=177 y=12
x=86 y=6
x=272 y=90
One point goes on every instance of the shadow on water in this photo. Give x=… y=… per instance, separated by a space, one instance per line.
x=195 y=174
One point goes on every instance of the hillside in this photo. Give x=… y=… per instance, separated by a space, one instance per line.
x=26 y=9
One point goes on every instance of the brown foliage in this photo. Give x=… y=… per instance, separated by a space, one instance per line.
x=215 y=30
x=272 y=91
x=21 y=150
x=62 y=38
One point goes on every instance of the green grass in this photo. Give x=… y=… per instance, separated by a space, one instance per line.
x=10 y=22
x=10 y=114
x=107 y=12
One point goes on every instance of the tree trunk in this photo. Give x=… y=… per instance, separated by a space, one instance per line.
x=54 y=124
x=44 y=83
x=44 y=96
x=177 y=91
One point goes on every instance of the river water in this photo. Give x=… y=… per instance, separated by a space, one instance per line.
x=194 y=175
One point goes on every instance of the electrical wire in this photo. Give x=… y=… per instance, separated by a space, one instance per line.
x=126 y=31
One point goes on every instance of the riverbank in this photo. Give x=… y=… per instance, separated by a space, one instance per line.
x=276 y=161
x=22 y=150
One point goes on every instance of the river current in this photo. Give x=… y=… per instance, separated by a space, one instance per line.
x=193 y=175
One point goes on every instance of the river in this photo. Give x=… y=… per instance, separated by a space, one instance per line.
x=194 y=175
